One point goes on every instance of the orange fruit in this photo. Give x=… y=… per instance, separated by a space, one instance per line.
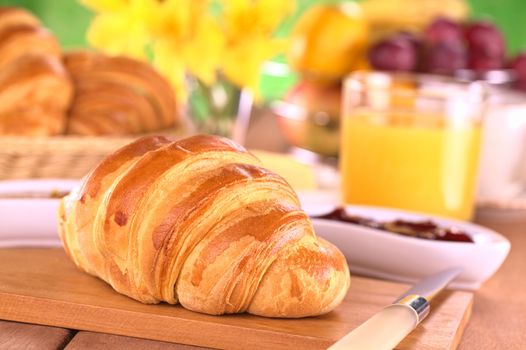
x=329 y=41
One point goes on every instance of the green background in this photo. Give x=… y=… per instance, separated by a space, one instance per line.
x=69 y=20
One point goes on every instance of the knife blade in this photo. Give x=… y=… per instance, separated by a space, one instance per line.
x=393 y=323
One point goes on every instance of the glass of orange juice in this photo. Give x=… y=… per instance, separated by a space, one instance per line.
x=411 y=142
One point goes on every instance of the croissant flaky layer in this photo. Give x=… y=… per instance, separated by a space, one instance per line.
x=116 y=95
x=199 y=222
x=35 y=88
x=35 y=92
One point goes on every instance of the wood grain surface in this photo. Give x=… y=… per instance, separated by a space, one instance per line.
x=42 y=286
x=90 y=340
x=16 y=335
x=499 y=307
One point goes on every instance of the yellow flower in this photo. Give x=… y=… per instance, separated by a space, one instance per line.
x=186 y=37
x=252 y=17
x=170 y=63
x=119 y=28
x=248 y=27
x=105 y=5
x=242 y=62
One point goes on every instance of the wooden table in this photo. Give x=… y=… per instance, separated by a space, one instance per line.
x=499 y=311
x=498 y=320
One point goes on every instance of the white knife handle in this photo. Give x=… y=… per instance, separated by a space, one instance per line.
x=384 y=330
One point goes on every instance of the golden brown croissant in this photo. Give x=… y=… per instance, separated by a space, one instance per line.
x=106 y=108
x=23 y=40
x=34 y=94
x=35 y=89
x=117 y=95
x=14 y=16
x=197 y=221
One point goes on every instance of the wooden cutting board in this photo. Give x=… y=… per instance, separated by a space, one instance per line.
x=42 y=286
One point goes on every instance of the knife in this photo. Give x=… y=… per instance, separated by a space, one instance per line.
x=392 y=324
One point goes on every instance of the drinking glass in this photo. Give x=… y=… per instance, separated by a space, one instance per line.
x=411 y=141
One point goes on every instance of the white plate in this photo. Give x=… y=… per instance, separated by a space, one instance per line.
x=33 y=222
x=30 y=221
x=392 y=256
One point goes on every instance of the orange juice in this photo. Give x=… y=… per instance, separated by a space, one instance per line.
x=413 y=162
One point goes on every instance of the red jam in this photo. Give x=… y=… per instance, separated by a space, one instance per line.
x=426 y=229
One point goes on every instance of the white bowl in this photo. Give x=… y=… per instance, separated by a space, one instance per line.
x=408 y=259
x=30 y=221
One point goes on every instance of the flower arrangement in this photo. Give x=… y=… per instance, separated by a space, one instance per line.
x=221 y=42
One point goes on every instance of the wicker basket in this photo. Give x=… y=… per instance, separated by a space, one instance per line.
x=60 y=157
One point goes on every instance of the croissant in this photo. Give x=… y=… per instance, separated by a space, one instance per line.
x=14 y=16
x=35 y=89
x=24 y=40
x=35 y=92
x=200 y=223
x=105 y=108
x=117 y=95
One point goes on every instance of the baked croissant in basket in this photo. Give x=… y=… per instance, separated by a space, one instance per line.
x=35 y=89
x=14 y=16
x=199 y=222
x=21 y=35
x=34 y=94
x=23 y=40
x=116 y=95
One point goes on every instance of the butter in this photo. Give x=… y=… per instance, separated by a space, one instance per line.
x=299 y=175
